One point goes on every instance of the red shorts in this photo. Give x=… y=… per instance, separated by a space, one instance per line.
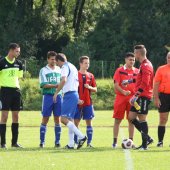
x=121 y=105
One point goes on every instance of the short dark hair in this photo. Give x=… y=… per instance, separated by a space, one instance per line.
x=82 y=58
x=13 y=46
x=51 y=54
x=61 y=57
x=141 y=48
x=129 y=54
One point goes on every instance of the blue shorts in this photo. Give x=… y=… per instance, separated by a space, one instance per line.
x=48 y=106
x=69 y=104
x=86 y=112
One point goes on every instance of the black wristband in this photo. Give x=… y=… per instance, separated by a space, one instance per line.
x=140 y=90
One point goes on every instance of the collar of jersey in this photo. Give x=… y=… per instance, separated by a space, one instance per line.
x=125 y=68
x=11 y=62
x=50 y=68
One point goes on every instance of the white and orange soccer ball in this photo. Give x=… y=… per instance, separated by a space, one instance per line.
x=127 y=144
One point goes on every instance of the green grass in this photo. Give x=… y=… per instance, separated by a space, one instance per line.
x=102 y=157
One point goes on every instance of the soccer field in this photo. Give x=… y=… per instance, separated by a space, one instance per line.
x=102 y=157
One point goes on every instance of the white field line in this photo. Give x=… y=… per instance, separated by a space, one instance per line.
x=128 y=158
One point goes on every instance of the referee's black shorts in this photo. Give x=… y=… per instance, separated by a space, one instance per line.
x=165 y=103
x=11 y=99
x=143 y=102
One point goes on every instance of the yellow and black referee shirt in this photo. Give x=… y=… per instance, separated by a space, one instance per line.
x=10 y=72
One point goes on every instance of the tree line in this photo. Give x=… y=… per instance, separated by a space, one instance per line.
x=104 y=30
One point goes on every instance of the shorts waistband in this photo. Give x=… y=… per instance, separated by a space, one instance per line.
x=12 y=88
x=71 y=92
x=49 y=94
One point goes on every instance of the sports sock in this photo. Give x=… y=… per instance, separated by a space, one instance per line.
x=161 y=132
x=137 y=124
x=131 y=139
x=89 y=132
x=144 y=134
x=75 y=139
x=73 y=128
x=14 y=129
x=57 y=130
x=3 y=133
x=43 y=130
x=114 y=140
x=71 y=138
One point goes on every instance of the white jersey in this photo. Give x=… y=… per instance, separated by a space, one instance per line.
x=69 y=70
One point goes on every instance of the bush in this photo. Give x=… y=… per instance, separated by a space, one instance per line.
x=31 y=94
x=102 y=100
x=32 y=97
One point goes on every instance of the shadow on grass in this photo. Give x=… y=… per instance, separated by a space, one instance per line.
x=152 y=151
x=84 y=149
x=61 y=150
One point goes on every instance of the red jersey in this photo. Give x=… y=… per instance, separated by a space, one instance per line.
x=144 y=81
x=84 y=93
x=123 y=73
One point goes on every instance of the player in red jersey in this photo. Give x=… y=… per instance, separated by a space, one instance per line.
x=87 y=84
x=124 y=84
x=143 y=95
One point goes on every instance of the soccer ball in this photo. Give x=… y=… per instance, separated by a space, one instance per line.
x=127 y=144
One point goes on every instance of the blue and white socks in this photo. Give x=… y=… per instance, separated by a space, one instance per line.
x=43 y=130
x=57 y=130
x=89 y=132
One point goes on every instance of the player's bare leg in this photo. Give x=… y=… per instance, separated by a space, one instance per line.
x=131 y=130
x=116 y=131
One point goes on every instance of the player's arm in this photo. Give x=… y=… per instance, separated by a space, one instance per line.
x=91 y=88
x=48 y=86
x=60 y=86
x=156 y=94
x=64 y=74
x=118 y=88
x=146 y=75
x=21 y=71
x=156 y=84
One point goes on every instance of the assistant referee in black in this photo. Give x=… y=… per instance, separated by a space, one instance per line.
x=10 y=71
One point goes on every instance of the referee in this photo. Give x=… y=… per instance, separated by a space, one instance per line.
x=162 y=97
x=10 y=72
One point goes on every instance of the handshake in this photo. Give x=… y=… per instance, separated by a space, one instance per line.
x=126 y=82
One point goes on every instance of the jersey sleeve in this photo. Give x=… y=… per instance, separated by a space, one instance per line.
x=158 y=75
x=116 y=76
x=64 y=71
x=146 y=76
x=42 y=78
